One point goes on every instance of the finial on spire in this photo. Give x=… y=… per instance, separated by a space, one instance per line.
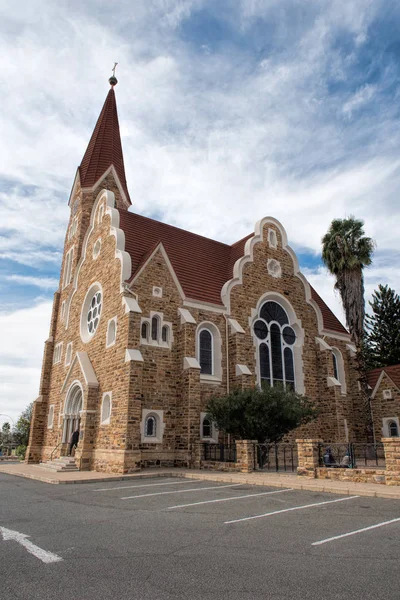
x=113 y=80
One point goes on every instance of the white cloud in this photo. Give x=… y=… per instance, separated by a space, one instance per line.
x=23 y=335
x=45 y=283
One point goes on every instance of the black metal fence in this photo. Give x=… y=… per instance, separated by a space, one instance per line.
x=352 y=455
x=275 y=457
x=220 y=452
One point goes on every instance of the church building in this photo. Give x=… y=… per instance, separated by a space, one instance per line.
x=150 y=321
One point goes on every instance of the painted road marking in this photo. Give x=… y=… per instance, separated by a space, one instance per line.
x=278 y=512
x=123 y=487
x=21 y=538
x=215 y=487
x=339 y=537
x=228 y=499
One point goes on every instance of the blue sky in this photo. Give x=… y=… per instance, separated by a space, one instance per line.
x=229 y=111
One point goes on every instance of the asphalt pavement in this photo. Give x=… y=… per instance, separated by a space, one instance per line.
x=166 y=538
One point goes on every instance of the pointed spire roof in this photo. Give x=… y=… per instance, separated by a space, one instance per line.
x=104 y=148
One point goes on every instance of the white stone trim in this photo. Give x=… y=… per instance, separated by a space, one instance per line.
x=274 y=268
x=190 y=363
x=323 y=345
x=109 y=325
x=96 y=249
x=214 y=431
x=385 y=426
x=242 y=370
x=216 y=375
x=120 y=253
x=69 y=257
x=160 y=426
x=235 y=326
x=110 y=169
x=107 y=420
x=186 y=316
x=341 y=370
x=68 y=354
x=86 y=336
x=333 y=382
x=248 y=256
x=133 y=354
x=157 y=291
x=159 y=343
x=131 y=305
x=202 y=305
x=57 y=353
x=86 y=369
x=160 y=248
x=272 y=238
x=50 y=417
x=351 y=349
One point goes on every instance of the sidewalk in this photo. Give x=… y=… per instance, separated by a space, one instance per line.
x=281 y=480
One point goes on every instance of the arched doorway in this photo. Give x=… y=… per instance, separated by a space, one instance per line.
x=73 y=406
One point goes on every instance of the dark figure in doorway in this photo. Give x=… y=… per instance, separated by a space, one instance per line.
x=74 y=441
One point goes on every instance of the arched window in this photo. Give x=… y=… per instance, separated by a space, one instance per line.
x=206 y=352
x=50 y=417
x=145 y=331
x=206 y=428
x=335 y=367
x=106 y=409
x=154 y=328
x=275 y=340
x=164 y=334
x=393 y=429
x=150 y=427
x=111 y=332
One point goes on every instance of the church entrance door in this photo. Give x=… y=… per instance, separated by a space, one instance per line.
x=73 y=407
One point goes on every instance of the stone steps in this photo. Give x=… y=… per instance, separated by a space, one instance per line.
x=63 y=464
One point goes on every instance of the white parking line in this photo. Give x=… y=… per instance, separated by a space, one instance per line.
x=339 y=537
x=215 y=487
x=228 y=499
x=278 y=512
x=123 y=487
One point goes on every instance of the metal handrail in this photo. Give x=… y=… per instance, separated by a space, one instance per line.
x=51 y=455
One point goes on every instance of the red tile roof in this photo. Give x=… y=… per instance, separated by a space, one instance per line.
x=202 y=265
x=104 y=148
x=393 y=372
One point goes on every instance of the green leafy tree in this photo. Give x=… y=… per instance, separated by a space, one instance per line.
x=346 y=251
x=265 y=414
x=22 y=428
x=5 y=435
x=382 y=339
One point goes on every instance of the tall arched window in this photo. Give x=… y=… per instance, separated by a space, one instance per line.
x=206 y=428
x=150 y=427
x=335 y=367
x=275 y=340
x=154 y=328
x=393 y=429
x=206 y=352
x=145 y=331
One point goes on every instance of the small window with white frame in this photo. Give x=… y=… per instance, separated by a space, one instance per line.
x=106 y=409
x=62 y=312
x=100 y=213
x=68 y=354
x=208 y=352
x=50 y=417
x=272 y=238
x=152 y=426
x=111 y=332
x=338 y=369
x=144 y=333
x=208 y=430
x=96 y=248
x=68 y=267
x=390 y=427
x=57 y=353
x=154 y=331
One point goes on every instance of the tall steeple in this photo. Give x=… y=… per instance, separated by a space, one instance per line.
x=104 y=149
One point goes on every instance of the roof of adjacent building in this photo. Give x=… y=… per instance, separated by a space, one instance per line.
x=104 y=148
x=202 y=265
x=393 y=372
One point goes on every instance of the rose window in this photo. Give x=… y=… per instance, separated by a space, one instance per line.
x=93 y=315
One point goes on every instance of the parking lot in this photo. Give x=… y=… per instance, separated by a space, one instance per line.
x=164 y=538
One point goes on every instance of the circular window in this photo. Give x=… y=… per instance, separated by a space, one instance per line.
x=261 y=330
x=289 y=335
x=91 y=312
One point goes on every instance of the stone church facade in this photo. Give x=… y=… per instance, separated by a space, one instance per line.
x=150 y=321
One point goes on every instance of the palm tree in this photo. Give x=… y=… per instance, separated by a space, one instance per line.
x=345 y=252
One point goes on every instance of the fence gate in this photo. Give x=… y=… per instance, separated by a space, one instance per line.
x=276 y=457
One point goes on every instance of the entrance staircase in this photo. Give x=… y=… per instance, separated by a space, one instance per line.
x=63 y=464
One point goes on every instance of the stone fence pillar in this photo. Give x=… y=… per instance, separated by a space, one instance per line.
x=245 y=455
x=197 y=455
x=392 y=453
x=307 y=451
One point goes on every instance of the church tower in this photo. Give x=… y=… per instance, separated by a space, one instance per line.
x=102 y=168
